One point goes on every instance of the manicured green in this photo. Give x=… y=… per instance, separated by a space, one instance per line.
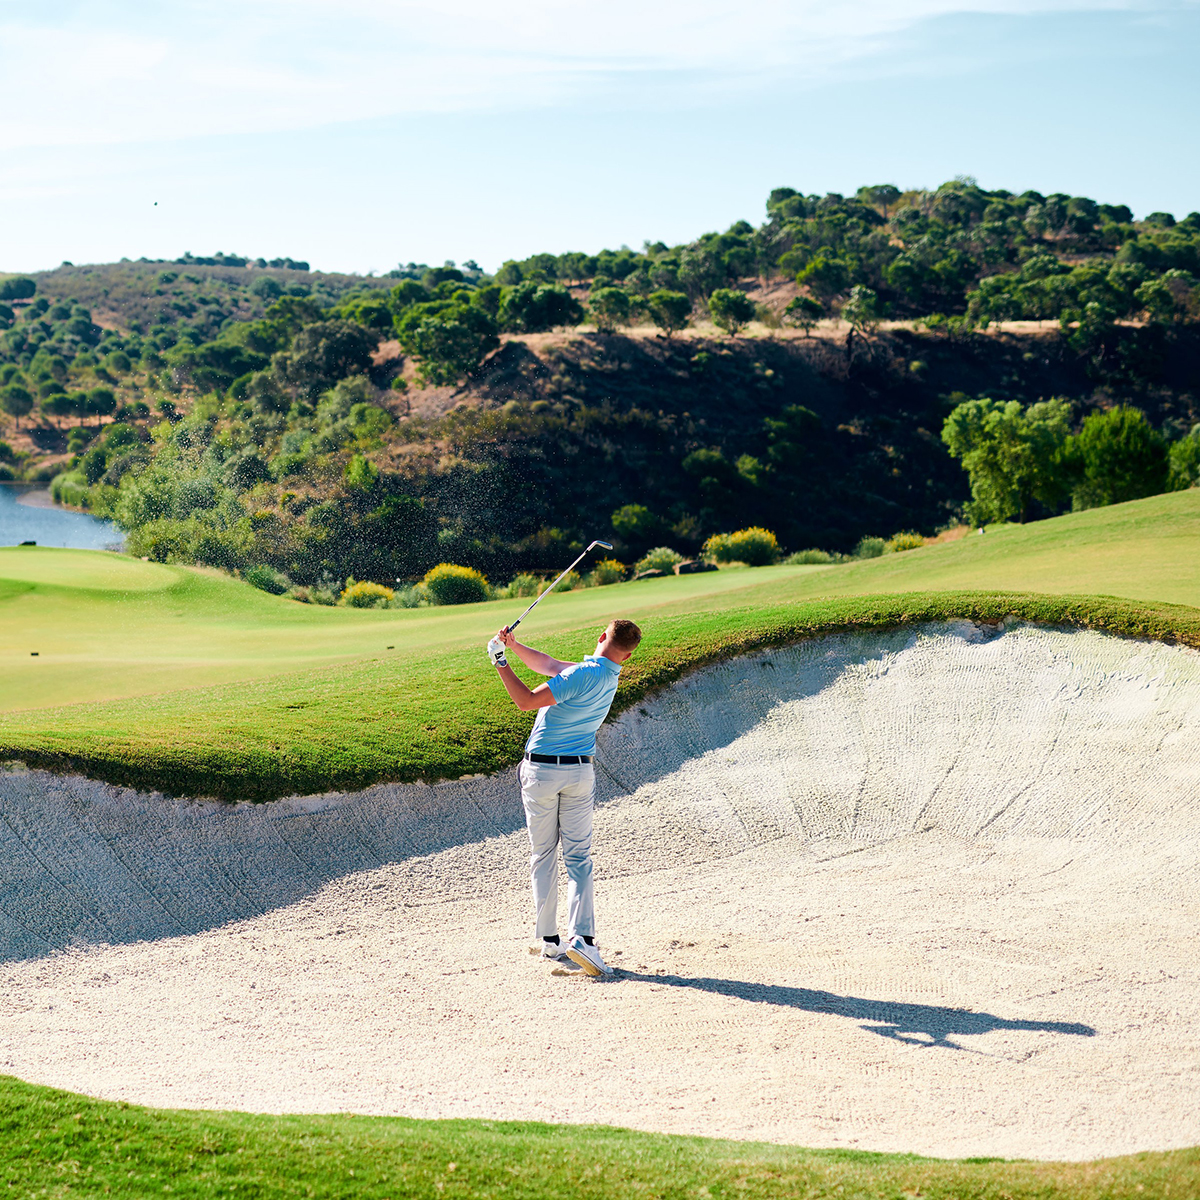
x=307 y=699
x=58 y=1144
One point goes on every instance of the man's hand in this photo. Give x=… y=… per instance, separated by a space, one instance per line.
x=495 y=649
x=535 y=660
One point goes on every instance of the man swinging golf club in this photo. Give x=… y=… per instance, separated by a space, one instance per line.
x=557 y=779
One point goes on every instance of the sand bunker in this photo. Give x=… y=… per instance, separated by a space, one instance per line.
x=933 y=890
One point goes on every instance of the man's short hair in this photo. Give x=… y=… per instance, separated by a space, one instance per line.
x=625 y=635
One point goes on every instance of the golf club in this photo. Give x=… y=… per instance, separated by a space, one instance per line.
x=591 y=547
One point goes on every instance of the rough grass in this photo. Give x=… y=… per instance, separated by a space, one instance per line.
x=58 y=1144
x=442 y=713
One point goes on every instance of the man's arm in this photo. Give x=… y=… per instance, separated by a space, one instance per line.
x=535 y=660
x=525 y=699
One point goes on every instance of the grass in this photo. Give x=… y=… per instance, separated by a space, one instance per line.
x=57 y=1144
x=194 y=683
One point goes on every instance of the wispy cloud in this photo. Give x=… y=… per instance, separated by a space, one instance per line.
x=131 y=71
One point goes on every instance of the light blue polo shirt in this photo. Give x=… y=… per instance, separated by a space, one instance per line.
x=582 y=696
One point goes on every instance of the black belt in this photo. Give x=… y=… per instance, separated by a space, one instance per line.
x=560 y=760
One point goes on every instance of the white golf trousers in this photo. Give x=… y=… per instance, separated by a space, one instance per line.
x=558 y=808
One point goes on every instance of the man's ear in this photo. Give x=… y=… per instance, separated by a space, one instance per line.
x=603 y=636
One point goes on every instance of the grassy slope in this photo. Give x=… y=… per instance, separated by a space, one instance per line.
x=431 y=708
x=107 y=627
x=58 y=1144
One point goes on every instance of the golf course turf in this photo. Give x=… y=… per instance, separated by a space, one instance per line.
x=55 y=1143
x=196 y=684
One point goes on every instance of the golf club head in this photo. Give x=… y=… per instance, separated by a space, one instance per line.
x=606 y=545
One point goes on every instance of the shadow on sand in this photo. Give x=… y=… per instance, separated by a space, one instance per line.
x=916 y=1024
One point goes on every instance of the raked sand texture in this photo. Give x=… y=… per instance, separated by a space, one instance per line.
x=933 y=891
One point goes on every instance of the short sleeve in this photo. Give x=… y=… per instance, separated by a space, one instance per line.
x=565 y=686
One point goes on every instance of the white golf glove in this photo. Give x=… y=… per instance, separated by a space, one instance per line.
x=495 y=649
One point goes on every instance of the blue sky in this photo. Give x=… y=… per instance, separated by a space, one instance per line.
x=363 y=133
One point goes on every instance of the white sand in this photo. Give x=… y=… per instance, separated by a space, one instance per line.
x=933 y=892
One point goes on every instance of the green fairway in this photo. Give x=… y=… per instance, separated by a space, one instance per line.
x=196 y=683
x=59 y=1144
x=105 y=626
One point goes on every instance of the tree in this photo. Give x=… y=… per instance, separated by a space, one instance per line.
x=58 y=405
x=450 y=342
x=324 y=353
x=881 y=195
x=537 y=307
x=826 y=276
x=17 y=287
x=861 y=310
x=101 y=401
x=372 y=310
x=861 y=313
x=609 y=307
x=731 y=309
x=670 y=311
x=407 y=293
x=804 y=312
x=702 y=269
x=1013 y=456
x=1117 y=456
x=266 y=287
x=16 y=401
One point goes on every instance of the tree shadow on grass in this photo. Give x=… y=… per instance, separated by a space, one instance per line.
x=915 y=1024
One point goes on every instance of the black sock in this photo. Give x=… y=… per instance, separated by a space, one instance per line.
x=591 y=941
x=553 y=939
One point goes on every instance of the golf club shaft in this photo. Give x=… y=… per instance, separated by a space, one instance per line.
x=555 y=584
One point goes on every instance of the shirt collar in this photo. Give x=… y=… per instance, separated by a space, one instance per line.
x=608 y=662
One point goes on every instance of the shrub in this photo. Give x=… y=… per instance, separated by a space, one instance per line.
x=70 y=489
x=606 y=571
x=569 y=583
x=757 y=547
x=410 y=597
x=869 y=547
x=301 y=595
x=806 y=558
x=1185 y=461
x=322 y=595
x=267 y=579
x=661 y=558
x=522 y=586
x=451 y=584
x=899 y=542
x=366 y=595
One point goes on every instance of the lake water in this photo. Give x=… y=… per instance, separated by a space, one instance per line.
x=42 y=522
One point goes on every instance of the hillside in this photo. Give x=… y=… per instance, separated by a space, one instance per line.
x=796 y=375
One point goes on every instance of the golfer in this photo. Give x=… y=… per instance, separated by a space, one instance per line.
x=557 y=780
